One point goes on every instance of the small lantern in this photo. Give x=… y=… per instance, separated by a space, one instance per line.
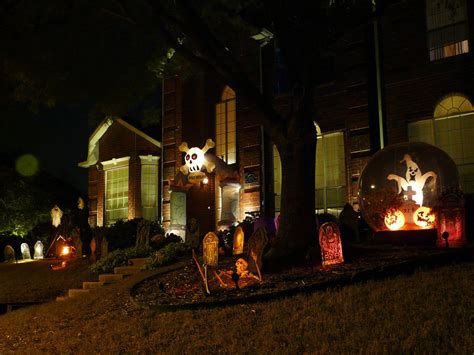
x=238 y=241
x=210 y=249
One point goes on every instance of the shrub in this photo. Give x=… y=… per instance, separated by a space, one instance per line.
x=123 y=234
x=119 y=258
x=168 y=255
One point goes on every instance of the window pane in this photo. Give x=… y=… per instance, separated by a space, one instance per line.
x=116 y=196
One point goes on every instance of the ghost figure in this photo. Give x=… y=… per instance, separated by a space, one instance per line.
x=56 y=215
x=194 y=159
x=415 y=181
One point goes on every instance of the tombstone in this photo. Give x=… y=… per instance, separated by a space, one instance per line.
x=210 y=249
x=25 y=251
x=238 y=243
x=257 y=243
x=330 y=243
x=277 y=223
x=93 y=246
x=192 y=233
x=104 y=248
x=143 y=234
x=450 y=219
x=9 y=254
x=38 y=250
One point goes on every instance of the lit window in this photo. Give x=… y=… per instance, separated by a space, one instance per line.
x=330 y=176
x=451 y=129
x=277 y=178
x=149 y=187
x=116 y=191
x=226 y=127
x=448 y=30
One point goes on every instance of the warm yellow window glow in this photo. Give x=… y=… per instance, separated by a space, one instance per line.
x=330 y=175
x=452 y=130
x=149 y=191
x=226 y=127
x=277 y=178
x=448 y=30
x=116 y=194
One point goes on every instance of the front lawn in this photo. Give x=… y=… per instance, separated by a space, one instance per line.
x=431 y=311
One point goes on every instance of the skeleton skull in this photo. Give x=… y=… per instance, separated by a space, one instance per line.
x=194 y=159
x=241 y=267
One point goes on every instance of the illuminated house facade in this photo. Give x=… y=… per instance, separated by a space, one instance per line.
x=407 y=77
x=124 y=174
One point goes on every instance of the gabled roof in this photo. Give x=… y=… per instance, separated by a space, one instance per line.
x=93 y=151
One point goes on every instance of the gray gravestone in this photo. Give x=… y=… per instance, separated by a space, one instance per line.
x=9 y=254
x=38 y=250
x=257 y=243
x=192 y=233
x=25 y=251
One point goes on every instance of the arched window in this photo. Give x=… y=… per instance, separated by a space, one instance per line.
x=451 y=129
x=225 y=127
x=447 y=26
x=330 y=175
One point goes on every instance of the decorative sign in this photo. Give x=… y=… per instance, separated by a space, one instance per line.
x=210 y=249
x=330 y=242
x=195 y=160
x=238 y=241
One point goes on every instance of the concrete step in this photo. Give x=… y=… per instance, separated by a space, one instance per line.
x=127 y=270
x=91 y=285
x=61 y=298
x=110 y=278
x=74 y=292
x=139 y=262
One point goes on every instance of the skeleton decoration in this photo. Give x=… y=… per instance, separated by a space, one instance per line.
x=195 y=160
x=415 y=181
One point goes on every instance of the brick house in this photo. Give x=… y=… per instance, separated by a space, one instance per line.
x=124 y=174
x=407 y=76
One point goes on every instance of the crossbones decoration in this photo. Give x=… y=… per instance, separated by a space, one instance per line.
x=195 y=160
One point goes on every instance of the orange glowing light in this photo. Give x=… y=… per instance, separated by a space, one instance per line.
x=66 y=250
x=394 y=220
x=423 y=217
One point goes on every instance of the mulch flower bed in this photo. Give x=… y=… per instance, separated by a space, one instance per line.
x=184 y=288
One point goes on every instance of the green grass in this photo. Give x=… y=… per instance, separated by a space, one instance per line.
x=428 y=312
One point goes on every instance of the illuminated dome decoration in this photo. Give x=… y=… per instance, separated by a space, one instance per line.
x=399 y=187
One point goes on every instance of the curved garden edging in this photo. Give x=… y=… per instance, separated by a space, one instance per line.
x=376 y=273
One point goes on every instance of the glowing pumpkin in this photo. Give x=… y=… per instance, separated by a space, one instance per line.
x=423 y=217
x=394 y=220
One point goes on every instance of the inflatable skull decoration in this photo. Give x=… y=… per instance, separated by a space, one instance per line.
x=195 y=160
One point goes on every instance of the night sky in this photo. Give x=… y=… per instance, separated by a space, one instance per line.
x=57 y=137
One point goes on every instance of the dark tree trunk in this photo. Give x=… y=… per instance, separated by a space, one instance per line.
x=297 y=232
